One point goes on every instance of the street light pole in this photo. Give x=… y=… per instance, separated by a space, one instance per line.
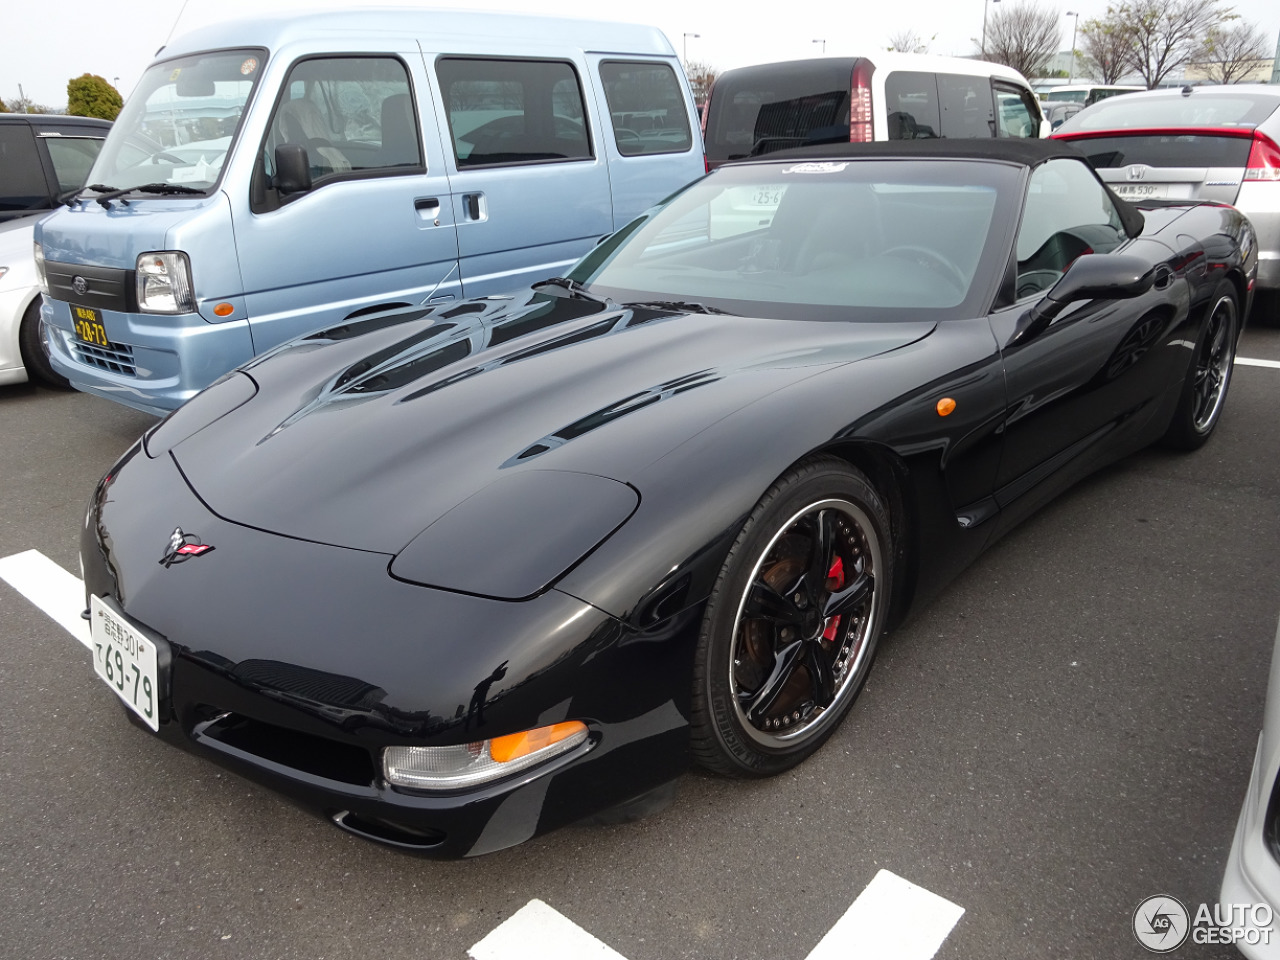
x=984 y=26
x=1072 y=13
x=696 y=36
x=824 y=44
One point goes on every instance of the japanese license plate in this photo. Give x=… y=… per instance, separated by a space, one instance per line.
x=1140 y=191
x=88 y=326
x=126 y=661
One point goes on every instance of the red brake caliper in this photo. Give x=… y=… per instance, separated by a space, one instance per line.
x=835 y=581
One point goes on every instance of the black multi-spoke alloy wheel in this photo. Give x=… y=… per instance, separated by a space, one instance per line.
x=792 y=624
x=33 y=353
x=1205 y=391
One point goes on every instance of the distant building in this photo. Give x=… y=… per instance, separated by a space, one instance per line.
x=1275 y=64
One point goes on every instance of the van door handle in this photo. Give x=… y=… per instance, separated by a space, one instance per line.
x=475 y=210
x=427 y=206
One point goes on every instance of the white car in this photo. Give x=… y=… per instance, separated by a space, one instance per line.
x=42 y=159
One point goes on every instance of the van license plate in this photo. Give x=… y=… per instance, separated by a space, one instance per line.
x=88 y=326
x=126 y=661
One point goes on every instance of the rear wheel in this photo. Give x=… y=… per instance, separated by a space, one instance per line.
x=792 y=624
x=1205 y=391
x=34 y=357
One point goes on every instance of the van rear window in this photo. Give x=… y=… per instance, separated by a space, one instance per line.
x=647 y=107
x=513 y=111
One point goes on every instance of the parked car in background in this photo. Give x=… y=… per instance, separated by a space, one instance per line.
x=1058 y=112
x=457 y=575
x=752 y=111
x=307 y=168
x=42 y=159
x=1210 y=143
x=1087 y=94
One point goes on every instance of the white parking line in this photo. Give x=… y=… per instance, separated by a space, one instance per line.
x=1250 y=362
x=539 y=932
x=892 y=919
x=58 y=593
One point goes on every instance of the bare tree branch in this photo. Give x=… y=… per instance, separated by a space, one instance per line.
x=1167 y=33
x=701 y=76
x=908 y=41
x=1025 y=36
x=1107 y=45
x=1230 y=54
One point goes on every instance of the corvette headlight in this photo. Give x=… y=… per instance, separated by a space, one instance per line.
x=471 y=764
x=164 y=283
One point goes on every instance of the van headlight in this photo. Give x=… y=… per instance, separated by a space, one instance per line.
x=164 y=283
x=38 y=251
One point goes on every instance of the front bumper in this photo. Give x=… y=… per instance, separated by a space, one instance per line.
x=296 y=663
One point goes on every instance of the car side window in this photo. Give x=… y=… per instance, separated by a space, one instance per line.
x=911 y=105
x=72 y=159
x=646 y=105
x=1067 y=214
x=22 y=185
x=513 y=111
x=967 y=106
x=352 y=114
x=1016 y=115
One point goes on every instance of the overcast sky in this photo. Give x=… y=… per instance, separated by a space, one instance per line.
x=44 y=44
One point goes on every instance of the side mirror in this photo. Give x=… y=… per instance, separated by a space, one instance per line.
x=293 y=169
x=1093 y=276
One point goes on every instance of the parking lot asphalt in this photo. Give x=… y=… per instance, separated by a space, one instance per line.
x=1066 y=731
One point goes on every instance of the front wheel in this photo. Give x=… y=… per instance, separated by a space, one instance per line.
x=792 y=623
x=34 y=357
x=1205 y=390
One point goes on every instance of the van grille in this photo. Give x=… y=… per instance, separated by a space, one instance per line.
x=116 y=357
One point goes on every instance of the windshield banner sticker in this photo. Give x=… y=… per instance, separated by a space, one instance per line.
x=816 y=168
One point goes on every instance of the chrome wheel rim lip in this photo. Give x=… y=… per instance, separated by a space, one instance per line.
x=857 y=640
x=1216 y=363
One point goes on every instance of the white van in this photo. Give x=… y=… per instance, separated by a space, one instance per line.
x=755 y=110
x=273 y=175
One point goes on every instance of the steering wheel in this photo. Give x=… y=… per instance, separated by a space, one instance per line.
x=166 y=157
x=931 y=258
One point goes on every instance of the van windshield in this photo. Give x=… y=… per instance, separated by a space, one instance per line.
x=178 y=125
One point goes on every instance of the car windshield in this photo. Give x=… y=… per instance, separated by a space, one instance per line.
x=882 y=239
x=178 y=125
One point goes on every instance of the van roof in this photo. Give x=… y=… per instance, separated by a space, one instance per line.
x=885 y=60
x=441 y=29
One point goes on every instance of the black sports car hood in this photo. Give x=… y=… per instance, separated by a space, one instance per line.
x=365 y=434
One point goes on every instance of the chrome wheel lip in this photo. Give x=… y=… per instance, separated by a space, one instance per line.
x=1219 y=363
x=858 y=640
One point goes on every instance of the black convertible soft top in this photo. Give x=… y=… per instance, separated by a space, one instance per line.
x=1016 y=150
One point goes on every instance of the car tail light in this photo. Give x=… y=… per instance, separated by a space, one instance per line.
x=860 y=112
x=1264 y=159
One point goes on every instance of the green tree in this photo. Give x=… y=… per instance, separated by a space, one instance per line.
x=89 y=95
x=3 y=108
x=1107 y=47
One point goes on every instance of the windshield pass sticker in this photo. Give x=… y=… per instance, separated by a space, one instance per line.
x=816 y=168
x=248 y=66
x=173 y=77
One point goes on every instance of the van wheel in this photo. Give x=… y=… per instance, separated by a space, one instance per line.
x=34 y=357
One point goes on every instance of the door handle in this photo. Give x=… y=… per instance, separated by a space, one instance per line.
x=475 y=207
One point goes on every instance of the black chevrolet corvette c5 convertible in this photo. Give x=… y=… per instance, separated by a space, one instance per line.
x=457 y=575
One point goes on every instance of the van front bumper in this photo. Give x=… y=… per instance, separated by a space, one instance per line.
x=151 y=363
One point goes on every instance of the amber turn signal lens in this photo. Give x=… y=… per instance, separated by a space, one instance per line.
x=516 y=745
x=945 y=406
x=224 y=310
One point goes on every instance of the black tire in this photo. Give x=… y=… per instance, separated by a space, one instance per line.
x=813 y=562
x=34 y=357
x=1205 y=391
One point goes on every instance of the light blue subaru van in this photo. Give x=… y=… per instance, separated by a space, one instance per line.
x=271 y=176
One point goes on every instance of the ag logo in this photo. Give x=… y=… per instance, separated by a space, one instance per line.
x=182 y=547
x=1161 y=923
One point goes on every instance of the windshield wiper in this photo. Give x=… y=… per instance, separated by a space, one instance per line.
x=576 y=289
x=688 y=306
x=107 y=194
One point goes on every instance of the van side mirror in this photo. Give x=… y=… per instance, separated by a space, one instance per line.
x=293 y=169
x=1093 y=276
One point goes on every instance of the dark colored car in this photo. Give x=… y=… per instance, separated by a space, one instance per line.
x=42 y=160
x=457 y=575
